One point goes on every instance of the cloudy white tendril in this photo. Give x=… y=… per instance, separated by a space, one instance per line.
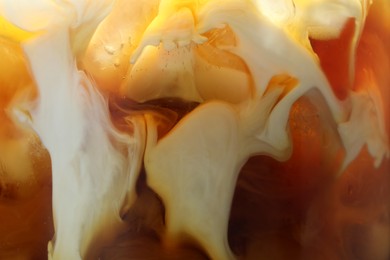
x=156 y=52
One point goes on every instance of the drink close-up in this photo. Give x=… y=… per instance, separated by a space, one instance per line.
x=195 y=129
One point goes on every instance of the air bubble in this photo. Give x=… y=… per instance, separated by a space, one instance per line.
x=109 y=49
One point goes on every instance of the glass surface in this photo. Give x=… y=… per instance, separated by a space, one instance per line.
x=195 y=129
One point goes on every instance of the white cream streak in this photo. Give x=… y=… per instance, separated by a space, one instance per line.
x=91 y=176
x=94 y=168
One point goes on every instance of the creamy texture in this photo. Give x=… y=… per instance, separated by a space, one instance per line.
x=94 y=168
x=246 y=62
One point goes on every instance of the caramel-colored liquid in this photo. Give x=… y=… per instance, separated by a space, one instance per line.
x=299 y=209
